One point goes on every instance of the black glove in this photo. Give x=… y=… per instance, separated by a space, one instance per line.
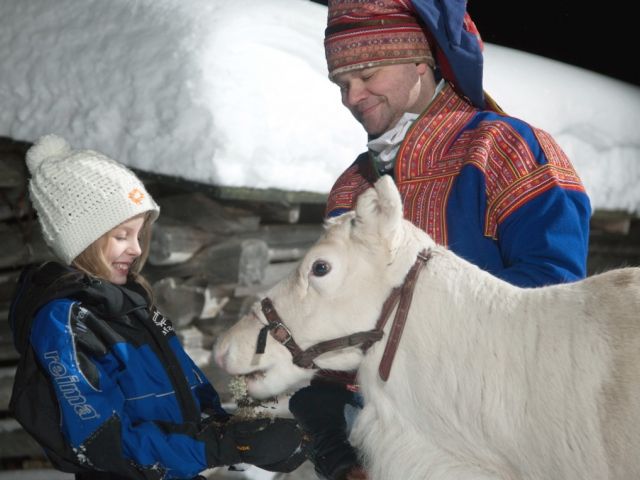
x=274 y=444
x=320 y=411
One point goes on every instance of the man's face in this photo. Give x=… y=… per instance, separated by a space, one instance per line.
x=378 y=96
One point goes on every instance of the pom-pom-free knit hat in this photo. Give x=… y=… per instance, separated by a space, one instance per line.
x=363 y=34
x=366 y=33
x=80 y=195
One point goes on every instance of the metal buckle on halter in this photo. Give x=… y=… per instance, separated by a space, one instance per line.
x=289 y=336
x=425 y=255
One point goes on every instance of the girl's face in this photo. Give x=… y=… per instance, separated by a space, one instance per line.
x=122 y=247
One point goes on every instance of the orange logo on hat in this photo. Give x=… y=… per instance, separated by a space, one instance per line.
x=136 y=196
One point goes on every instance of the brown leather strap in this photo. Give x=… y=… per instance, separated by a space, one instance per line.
x=406 y=295
x=277 y=328
x=304 y=358
x=385 y=313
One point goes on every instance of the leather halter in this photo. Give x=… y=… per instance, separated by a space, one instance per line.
x=401 y=295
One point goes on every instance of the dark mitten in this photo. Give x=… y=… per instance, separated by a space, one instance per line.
x=320 y=411
x=275 y=444
x=296 y=459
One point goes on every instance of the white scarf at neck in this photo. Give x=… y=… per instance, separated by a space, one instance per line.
x=386 y=146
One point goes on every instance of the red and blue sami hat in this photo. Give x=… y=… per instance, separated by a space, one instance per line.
x=364 y=33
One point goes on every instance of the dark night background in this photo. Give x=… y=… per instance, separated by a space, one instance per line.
x=603 y=37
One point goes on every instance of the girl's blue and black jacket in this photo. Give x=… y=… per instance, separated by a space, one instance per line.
x=104 y=384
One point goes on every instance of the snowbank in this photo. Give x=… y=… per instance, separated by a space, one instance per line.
x=235 y=93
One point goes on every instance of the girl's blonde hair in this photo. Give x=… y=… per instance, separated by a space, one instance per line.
x=92 y=261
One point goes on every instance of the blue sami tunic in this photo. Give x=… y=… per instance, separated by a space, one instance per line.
x=495 y=190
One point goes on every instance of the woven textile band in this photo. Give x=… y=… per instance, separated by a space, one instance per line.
x=362 y=35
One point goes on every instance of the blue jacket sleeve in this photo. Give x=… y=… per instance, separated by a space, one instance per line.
x=91 y=398
x=546 y=240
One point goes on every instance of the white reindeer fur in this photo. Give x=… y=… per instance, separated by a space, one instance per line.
x=490 y=381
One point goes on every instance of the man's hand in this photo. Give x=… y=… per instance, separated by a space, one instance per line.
x=274 y=444
x=320 y=411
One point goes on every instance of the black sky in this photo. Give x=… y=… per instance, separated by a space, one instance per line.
x=601 y=39
x=605 y=40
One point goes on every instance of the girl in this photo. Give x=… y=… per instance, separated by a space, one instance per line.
x=103 y=383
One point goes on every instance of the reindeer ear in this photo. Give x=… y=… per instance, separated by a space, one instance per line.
x=367 y=207
x=389 y=200
x=391 y=210
x=379 y=209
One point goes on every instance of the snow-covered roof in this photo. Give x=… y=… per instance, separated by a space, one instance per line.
x=235 y=93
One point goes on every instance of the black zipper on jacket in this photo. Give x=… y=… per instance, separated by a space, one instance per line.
x=83 y=290
x=190 y=410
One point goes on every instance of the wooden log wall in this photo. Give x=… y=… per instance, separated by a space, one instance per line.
x=213 y=253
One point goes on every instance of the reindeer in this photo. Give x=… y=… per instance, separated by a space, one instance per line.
x=463 y=375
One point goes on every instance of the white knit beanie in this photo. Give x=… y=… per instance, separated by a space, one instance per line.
x=81 y=194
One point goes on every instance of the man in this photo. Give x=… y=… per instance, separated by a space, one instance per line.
x=494 y=189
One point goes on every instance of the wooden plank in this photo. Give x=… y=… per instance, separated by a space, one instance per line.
x=282 y=236
x=8 y=353
x=37 y=469
x=14 y=203
x=269 y=195
x=280 y=212
x=13 y=169
x=19 y=249
x=15 y=442
x=273 y=274
x=8 y=282
x=611 y=221
x=203 y=212
x=236 y=193
x=173 y=243
x=6 y=384
x=186 y=301
x=237 y=260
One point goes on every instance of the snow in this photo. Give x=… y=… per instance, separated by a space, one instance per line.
x=227 y=93
x=235 y=93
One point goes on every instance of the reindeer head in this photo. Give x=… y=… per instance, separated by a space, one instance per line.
x=337 y=290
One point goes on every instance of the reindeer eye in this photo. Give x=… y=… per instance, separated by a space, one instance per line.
x=320 y=268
